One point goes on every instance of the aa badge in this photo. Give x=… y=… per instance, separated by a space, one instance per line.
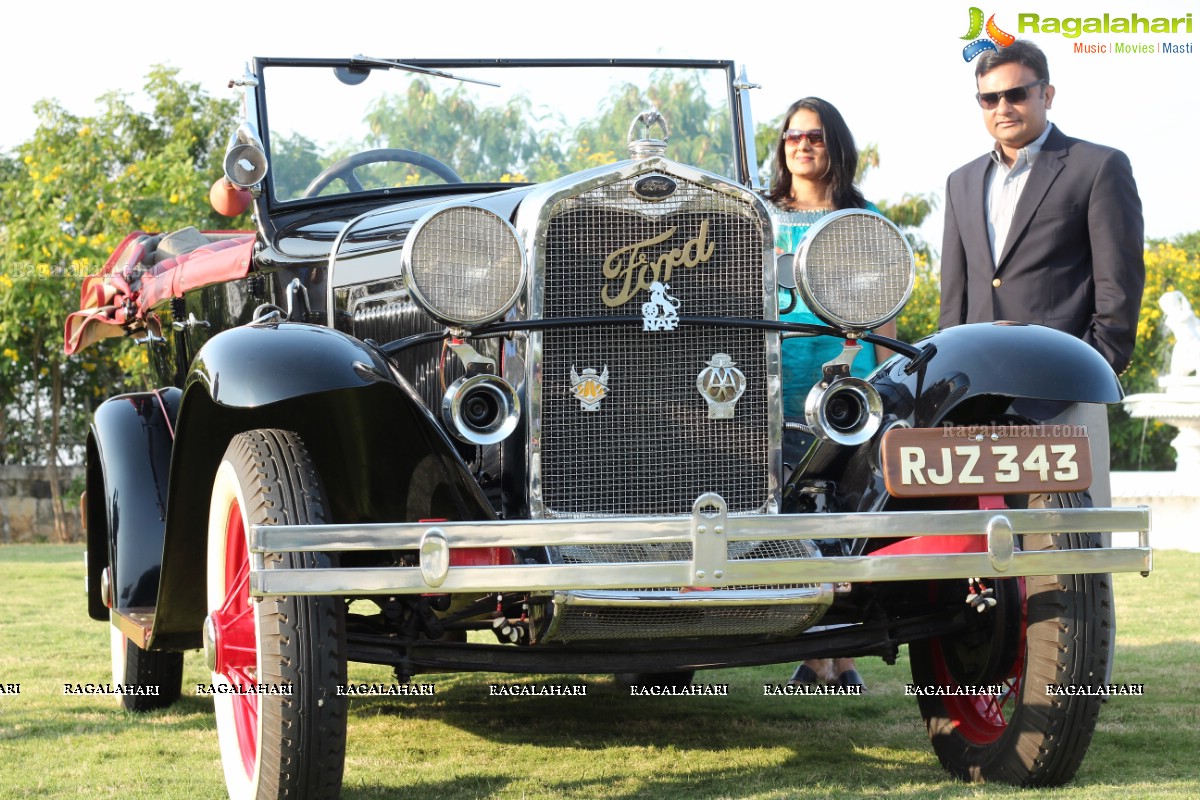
x=721 y=383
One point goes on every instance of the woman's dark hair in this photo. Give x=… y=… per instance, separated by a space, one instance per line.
x=843 y=157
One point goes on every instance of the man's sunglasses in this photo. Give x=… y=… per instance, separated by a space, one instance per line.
x=795 y=136
x=1013 y=96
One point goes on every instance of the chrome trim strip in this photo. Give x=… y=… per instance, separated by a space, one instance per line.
x=710 y=566
x=545 y=577
x=821 y=594
x=745 y=136
x=650 y=530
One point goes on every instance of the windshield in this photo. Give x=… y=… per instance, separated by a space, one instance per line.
x=333 y=131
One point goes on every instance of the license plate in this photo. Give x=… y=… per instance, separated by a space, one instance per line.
x=976 y=459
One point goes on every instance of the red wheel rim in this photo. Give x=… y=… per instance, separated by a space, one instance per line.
x=983 y=718
x=236 y=642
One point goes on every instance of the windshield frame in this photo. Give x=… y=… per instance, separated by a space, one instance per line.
x=743 y=168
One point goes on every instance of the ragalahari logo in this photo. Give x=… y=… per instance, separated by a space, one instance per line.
x=995 y=36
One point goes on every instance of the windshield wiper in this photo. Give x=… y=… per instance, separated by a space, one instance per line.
x=361 y=60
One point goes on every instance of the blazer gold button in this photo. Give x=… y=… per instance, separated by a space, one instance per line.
x=995 y=281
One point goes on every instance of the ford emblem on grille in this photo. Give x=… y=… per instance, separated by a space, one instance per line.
x=655 y=187
x=721 y=383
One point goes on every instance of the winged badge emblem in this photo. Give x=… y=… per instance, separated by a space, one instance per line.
x=589 y=387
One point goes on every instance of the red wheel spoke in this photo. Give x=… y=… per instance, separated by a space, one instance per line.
x=237 y=594
x=237 y=643
x=245 y=717
x=982 y=719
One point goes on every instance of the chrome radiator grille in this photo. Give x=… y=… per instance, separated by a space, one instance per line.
x=650 y=448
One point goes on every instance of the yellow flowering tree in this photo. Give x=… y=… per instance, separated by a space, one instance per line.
x=70 y=194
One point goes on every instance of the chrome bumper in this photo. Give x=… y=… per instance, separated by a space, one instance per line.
x=709 y=529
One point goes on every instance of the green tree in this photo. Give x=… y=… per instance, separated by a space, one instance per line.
x=511 y=141
x=71 y=194
x=699 y=133
x=478 y=143
x=295 y=160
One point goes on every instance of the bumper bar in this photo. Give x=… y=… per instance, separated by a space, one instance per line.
x=709 y=530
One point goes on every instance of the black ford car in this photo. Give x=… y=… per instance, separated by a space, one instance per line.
x=495 y=384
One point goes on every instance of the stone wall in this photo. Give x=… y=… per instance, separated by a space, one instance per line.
x=26 y=511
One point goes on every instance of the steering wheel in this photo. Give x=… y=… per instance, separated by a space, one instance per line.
x=344 y=168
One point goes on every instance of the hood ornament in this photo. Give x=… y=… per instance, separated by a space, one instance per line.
x=721 y=384
x=645 y=146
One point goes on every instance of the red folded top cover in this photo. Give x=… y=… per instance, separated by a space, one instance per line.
x=119 y=299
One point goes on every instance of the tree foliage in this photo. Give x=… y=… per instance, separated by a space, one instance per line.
x=478 y=142
x=698 y=136
x=513 y=141
x=72 y=192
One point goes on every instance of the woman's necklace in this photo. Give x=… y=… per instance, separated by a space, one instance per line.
x=808 y=205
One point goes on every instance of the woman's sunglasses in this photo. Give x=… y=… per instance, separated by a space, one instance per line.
x=1016 y=95
x=796 y=136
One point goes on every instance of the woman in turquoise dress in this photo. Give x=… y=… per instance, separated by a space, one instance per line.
x=815 y=162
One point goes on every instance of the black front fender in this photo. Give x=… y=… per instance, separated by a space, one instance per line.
x=129 y=457
x=380 y=453
x=1004 y=360
x=979 y=373
x=256 y=365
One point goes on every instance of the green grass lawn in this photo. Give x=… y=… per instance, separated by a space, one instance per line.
x=463 y=744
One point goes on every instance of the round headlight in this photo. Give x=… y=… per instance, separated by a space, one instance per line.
x=854 y=269
x=464 y=265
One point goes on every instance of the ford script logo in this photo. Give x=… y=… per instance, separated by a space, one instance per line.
x=629 y=270
x=655 y=187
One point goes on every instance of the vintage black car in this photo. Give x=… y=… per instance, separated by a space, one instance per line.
x=496 y=363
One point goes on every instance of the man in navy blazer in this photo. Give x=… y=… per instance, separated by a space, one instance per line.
x=1044 y=228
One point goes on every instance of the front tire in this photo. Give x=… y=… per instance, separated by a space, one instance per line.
x=272 y=744
x=1054 y=630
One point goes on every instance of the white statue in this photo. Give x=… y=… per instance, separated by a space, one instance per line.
x=1179 y=317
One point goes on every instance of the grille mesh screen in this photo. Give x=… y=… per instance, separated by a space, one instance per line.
x=650 y=448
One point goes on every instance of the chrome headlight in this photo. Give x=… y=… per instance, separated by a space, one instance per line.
x=854 y=269
x=464 y=265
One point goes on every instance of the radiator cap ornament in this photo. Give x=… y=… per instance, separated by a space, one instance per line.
x=721 y=384
x=589 y=388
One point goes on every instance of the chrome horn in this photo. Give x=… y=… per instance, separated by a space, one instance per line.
x=846 y=411
x=482 y=409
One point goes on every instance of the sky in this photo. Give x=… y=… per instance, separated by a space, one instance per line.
x=895 y=70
